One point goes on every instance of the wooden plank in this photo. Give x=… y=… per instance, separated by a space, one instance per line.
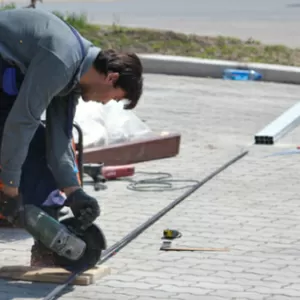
x=163 y=145
x=52 y=275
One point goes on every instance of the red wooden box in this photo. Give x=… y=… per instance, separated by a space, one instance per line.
x=159 y=146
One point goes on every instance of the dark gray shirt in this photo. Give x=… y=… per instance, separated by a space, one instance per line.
x=49 y=54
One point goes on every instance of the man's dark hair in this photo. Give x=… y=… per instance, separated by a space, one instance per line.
x=130 y=70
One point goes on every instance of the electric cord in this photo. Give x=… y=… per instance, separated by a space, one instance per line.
x=161 y=182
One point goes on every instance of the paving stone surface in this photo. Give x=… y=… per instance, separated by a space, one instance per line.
x=252 y=208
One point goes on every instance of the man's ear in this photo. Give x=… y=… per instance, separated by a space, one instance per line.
x=112 y=77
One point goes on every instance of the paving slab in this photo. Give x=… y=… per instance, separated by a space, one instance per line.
x=252 y=208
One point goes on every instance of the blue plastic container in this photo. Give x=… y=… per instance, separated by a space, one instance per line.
x=236 y=74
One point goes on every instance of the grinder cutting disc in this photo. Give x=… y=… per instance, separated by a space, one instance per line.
x=95 y=243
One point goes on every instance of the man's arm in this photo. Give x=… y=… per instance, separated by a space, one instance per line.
x=61 y=157
x=45 y=78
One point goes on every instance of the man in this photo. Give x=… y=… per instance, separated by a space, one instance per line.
x=46 y=65
x=33 y=3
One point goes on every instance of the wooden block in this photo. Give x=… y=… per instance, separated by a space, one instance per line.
x=52 y=275
x=160 y=146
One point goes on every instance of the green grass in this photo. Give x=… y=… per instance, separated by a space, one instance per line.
x=172 y=43
x=8 y=6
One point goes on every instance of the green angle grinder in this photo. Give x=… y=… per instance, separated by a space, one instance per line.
x=73 y=247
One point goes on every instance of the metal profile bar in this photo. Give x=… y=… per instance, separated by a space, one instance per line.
x=286 y=122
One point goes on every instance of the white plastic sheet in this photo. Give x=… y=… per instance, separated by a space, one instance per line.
x=108 y=124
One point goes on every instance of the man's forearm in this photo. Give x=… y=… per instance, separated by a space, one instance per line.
x=60 y=153
x=18 y=131
x=68 y=191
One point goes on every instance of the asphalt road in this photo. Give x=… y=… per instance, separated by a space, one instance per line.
x=271 y=21
x=252 y=208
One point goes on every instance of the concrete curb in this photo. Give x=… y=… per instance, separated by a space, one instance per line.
x=189 y=66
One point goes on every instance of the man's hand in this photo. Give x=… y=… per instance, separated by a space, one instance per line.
x=84 y=207
x=10 y=191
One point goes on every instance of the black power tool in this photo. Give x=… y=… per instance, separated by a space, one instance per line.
x=95 y=243
x=73 y=247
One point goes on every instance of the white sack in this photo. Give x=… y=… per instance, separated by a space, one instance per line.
x=108 y=124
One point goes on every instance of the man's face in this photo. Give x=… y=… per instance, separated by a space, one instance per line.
x=100 y=88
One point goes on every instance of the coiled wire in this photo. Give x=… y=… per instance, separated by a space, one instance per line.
x=159 y=182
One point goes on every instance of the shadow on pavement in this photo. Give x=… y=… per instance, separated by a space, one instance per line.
x=11 y=290
x=13 y=235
